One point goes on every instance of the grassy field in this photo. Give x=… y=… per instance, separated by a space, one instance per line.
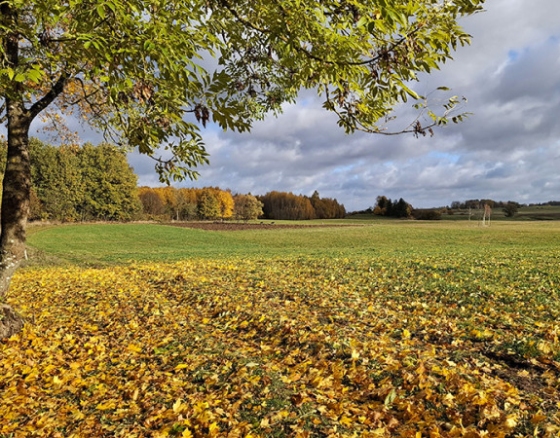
x=386 y=328
x=99 y=244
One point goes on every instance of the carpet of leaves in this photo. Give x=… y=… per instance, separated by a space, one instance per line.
x=303 y=347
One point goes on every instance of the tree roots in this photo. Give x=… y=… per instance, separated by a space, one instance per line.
x=10 y=322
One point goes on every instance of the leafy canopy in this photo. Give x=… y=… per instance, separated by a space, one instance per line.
x=147 y=73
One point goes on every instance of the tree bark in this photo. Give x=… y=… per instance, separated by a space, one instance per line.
x=16 y=190
x=16 y=187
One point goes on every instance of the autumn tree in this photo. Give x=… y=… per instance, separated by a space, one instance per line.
x=326 y=208
x=398 y=209
x=247 y=207
x=168 y=196
x=140 y=72
x=152 y=204
x=70 y=183
x=401 y=209
x=57 y=179
x=286 y=206
x=226 y=202
x=209 y=205
x=486 y=214
x=186 y=204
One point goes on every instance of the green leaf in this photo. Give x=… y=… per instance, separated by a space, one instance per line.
x=35 y=75
x=10 y=72
x=390 y=398
x=101 y=11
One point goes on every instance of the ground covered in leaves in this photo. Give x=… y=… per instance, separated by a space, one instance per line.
x=302 y=347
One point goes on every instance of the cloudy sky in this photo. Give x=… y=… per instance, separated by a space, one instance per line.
x=508 y=150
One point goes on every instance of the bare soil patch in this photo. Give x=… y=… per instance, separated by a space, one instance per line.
x=240 y=226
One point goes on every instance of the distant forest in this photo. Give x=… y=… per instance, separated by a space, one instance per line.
x=386 y=207
x=85 y=183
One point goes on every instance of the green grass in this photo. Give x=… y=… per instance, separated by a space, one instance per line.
x=102 y=244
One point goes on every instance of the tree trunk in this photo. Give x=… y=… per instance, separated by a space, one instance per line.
x=16 y=188
x=14 y=211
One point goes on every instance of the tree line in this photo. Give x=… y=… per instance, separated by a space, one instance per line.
x=398 y=209
x=401 y=209
x=212 y=203
x=509 y=208
x=287 y=206
x=479 y=204
x=94 y=182
x=209 y=203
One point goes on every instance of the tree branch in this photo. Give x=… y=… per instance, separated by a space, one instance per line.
x=415 y=127
x=48 y=98
x=4 y=117
x=85 y=96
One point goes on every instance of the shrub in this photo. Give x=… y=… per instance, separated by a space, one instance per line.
x=426 y=214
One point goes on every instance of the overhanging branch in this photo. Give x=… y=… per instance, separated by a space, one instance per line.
x=415 y=127
x=48 y=98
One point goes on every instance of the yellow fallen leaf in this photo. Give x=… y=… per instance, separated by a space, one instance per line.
x=78 y=415
x=106 y=406
x=134 y=348
x=177 y=406
x=511 y=421
x=213 y=429
x=544 y=347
